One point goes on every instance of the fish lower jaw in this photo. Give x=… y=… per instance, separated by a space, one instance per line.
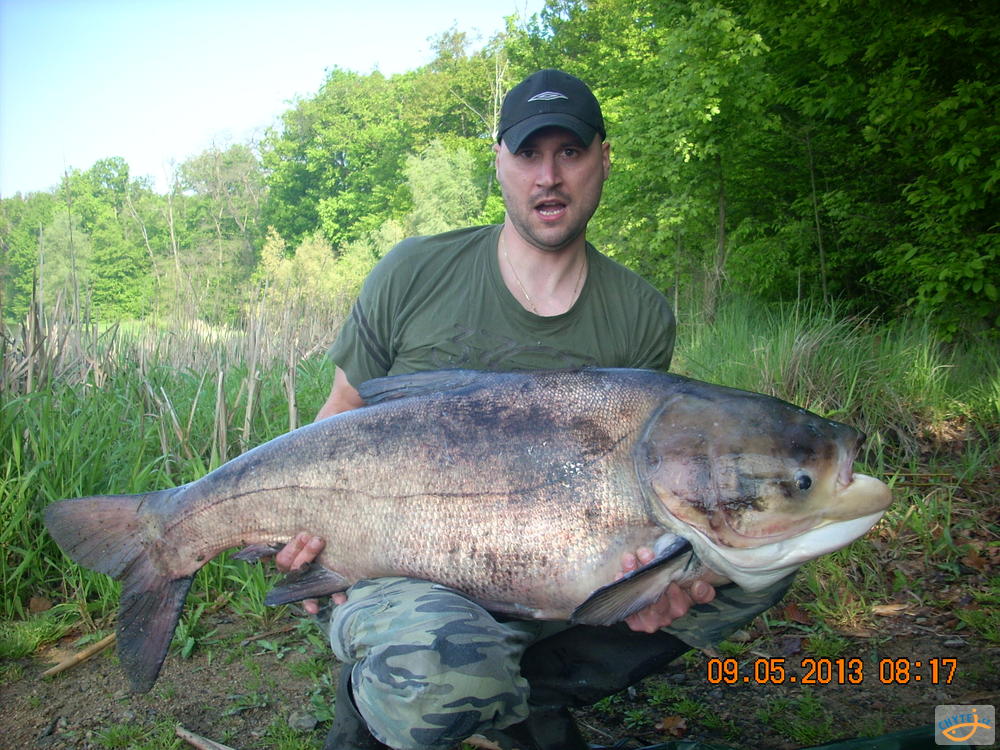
x=755 y=568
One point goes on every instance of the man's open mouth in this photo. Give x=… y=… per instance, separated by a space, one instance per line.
x=550 y=209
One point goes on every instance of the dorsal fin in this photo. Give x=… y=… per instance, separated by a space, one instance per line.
x=395 y=387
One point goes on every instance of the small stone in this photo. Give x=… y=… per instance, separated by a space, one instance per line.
x=302 y=721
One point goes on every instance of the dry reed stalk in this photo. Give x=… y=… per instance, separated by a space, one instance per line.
x=80 y=657
x=254 y=338
x=197 y=741
x=220 y=424
x=289 y=380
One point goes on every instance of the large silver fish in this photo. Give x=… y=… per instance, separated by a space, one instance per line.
x=522 y=490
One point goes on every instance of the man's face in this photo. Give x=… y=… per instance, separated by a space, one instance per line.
x=551 y=186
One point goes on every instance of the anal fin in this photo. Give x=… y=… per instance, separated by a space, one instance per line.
x=310 y=581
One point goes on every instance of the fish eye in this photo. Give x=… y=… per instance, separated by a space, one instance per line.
x=803 y=480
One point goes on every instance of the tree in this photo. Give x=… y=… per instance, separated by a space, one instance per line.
x=443 y=185
x=898 y=114
x=23 y=219
x=337 y=165
x=119 y=265
x=217 y=202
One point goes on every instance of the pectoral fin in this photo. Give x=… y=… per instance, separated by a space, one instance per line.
x=307 y=583
x=640 y=588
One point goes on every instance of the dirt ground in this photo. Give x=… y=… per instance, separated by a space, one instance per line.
x=244 y=693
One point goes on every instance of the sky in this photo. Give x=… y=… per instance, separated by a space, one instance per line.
x=159 y=81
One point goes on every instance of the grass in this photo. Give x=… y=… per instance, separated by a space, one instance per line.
x=19 y=638
x=803 y=720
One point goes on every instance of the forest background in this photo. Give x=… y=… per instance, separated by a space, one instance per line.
x=827 y=151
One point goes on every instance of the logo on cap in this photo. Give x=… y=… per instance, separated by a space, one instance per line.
x=548 y=96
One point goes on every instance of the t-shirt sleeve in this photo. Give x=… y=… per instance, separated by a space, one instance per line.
x=364 y=347
x=655 y=345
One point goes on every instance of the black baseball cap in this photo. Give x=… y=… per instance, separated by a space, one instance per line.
x=546 y=98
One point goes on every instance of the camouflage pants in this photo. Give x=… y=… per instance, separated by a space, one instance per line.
x=431 y=667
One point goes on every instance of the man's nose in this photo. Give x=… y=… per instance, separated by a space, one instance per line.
x=549 y=173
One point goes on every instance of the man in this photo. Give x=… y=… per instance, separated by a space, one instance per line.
x=424 y=666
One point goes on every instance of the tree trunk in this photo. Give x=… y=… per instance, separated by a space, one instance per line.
x=716 y=273
x=819 y=231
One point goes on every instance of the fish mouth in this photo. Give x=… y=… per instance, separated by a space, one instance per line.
x=782 y=529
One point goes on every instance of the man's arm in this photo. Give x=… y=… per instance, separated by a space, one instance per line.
x=343 y=397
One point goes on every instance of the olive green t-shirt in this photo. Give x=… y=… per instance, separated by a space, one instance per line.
x=439 y=302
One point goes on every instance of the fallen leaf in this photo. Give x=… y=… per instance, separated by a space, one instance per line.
x=794 y=613
x=974 y=560
x=676 y=726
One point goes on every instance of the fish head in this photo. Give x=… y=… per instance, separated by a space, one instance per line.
x=757 y=485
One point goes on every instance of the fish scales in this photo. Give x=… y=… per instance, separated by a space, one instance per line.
x=522 y=490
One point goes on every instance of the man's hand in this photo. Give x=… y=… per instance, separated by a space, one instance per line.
x=675 y=601
x=298 y=553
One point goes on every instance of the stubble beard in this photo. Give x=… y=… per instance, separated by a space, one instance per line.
x=548 y=239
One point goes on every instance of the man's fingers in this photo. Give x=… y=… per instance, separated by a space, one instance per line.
x=311 y=606
x=302 y=550
x=673 y=605
x=629 y=563
x=702 y=592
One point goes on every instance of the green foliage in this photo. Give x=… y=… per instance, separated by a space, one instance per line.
x=20 y=638
x=899 y=108
x=160 y=736
x=984 y=616
x=23 y=220
x=442 y=183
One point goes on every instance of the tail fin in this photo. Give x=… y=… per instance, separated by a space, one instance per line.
x=114 y=534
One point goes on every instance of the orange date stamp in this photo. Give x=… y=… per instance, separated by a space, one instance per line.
x=824 y=671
